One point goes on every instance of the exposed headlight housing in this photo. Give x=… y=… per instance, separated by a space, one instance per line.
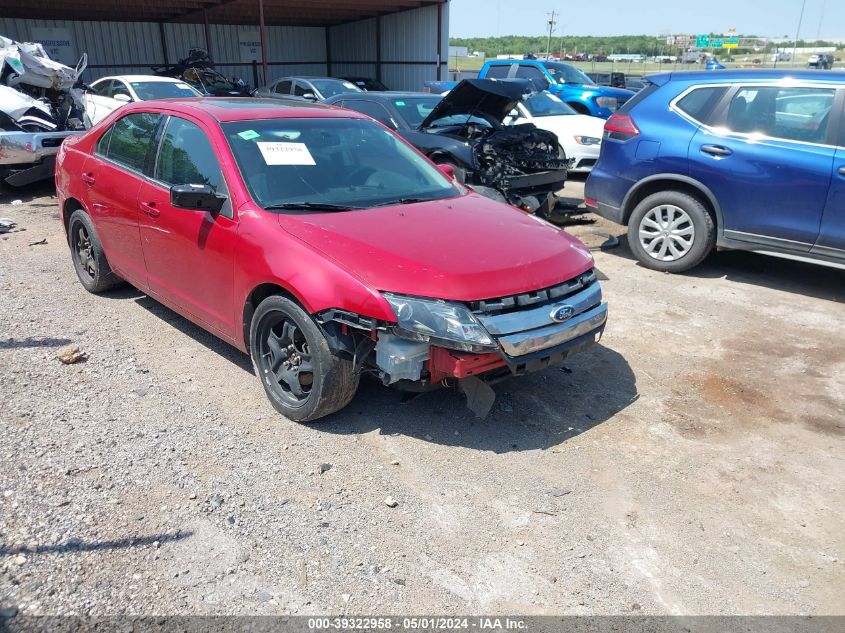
x=439 y=322
x=587 y=140
x=610 y=103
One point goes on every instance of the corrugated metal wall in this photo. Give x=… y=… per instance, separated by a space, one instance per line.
x=408 y=48
x=409 y=37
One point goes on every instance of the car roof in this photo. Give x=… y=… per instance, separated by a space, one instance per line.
x=748 y=74
x=151 y=78
x=382 y=95
x=224 y=109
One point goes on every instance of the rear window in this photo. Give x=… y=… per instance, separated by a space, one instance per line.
x=701 y=102
x=642 y=94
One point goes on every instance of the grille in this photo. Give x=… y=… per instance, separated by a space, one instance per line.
x=536 y=298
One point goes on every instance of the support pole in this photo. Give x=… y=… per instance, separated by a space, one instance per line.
x=207 y=34
x=263 y=42
x=328 y=36
x=440 y=42
x=163 y=42
x=378 y=47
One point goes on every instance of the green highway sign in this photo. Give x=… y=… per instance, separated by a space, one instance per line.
x=705 y=41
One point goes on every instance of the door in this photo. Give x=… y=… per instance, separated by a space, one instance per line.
x=189 y=254
x=98 y=101
x=832 y=235
x=113 y=177
x=769 y=163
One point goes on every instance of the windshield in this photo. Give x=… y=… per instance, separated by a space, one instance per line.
x=331 y=87
x=147 y=90
x=546 y=104
x=352 y=163
x=414 y=110
x=564 y=74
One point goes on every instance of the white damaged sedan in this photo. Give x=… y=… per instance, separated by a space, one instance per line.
x=109 y=93
x=579 y=134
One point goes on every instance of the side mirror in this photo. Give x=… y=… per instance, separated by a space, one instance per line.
x=122 y=97
x=196 y=198
x=310 y=96
x=447 y=170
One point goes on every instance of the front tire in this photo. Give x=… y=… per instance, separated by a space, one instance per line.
x=671 y=231
x=302 y=378
x=89 y=259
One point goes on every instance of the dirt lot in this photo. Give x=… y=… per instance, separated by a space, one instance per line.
x=692 y=463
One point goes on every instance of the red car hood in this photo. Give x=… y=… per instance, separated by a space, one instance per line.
x=464 y=249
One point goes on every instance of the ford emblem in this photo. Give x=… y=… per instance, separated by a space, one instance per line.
x=562 y=313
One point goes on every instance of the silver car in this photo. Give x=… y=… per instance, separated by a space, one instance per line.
x=311 y=88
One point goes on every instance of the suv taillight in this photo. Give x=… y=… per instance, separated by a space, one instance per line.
x=621 y=126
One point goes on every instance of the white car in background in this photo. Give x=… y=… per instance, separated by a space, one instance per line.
x=579 y=134
x=106 y=95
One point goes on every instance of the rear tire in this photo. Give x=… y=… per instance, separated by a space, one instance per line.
x=302 y=378
x=671 y=231
x=89 y=259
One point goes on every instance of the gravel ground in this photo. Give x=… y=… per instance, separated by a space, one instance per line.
x=692 y=463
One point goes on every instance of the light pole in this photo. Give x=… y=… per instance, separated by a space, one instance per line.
x=551 y=28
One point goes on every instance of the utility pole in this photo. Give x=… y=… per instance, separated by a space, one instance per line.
x=798 y=32
x=551 y=28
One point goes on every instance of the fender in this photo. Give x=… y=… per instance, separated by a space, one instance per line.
x=692 y=182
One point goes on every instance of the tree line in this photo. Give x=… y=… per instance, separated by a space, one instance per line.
x=619 y=44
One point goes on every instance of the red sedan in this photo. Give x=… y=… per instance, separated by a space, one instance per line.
x=325 y=246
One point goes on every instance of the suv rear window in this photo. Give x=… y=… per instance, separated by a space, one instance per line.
x=700 y=103
x=642 y=94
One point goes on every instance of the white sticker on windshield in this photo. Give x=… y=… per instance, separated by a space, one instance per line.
x=286 y=154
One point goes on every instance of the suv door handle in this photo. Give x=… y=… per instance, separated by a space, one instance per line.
x=150 y=209
x=716 y=150
x=88 y=178
x=842 y=171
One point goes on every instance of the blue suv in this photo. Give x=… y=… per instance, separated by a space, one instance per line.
x=748 y=160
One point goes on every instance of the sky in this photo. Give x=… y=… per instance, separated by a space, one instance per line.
x=769 y=18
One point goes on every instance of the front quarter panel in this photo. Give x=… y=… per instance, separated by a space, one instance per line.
x=269 y=253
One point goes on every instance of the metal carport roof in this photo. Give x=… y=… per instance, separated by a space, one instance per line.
x=275 y=12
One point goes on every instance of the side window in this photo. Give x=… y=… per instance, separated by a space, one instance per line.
x=119 y=88
x=186 y=156
x=130 y=138
x=300 y=89
x=371 y=109
x=795 y=114
x=530 y=72
x=700 y=103
x=102 y=89
x=498 y=71
x=283 y=87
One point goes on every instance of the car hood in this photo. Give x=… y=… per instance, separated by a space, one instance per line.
x=567 y=126
x=465 y=249
x=487 y=98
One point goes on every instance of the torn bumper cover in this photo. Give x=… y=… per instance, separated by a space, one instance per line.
x=508 y=335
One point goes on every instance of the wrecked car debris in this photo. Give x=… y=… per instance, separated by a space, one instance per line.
x=41 y=103
x=197 y=70
x=524 y=164
x=6 y=225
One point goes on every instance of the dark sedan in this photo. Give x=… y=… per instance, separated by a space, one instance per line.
x=521 y=164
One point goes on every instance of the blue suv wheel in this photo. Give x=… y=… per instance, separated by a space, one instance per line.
x=671 y=231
